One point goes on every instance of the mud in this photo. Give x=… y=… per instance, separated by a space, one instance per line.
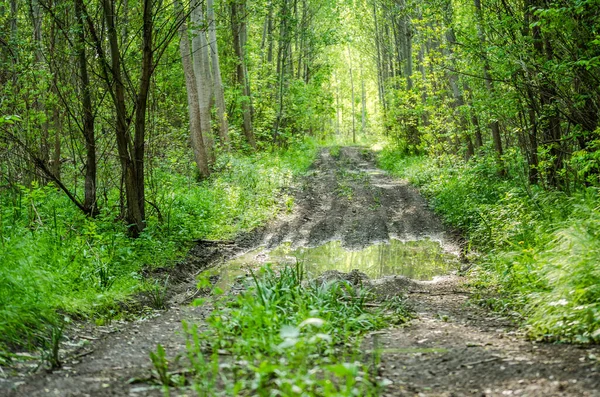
x=450 y=348
x=454 y=348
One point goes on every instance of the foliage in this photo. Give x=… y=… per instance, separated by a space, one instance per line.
x=540 y=248
x=287 y=336
x=56 y=259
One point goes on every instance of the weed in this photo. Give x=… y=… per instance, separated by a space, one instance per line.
x=285 y=336
x=105 y=277
x=344 y=189
x=289 y=204
x=158 y=294
x=50 y=352
x=161 y=365
x=334 y=151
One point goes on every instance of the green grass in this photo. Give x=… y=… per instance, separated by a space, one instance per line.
x=540 y=249
x=56 y=263
x=284 y=336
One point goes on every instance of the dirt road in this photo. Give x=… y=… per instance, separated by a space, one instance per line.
x=451 y=348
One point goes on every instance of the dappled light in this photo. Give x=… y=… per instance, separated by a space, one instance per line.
x=299 y=197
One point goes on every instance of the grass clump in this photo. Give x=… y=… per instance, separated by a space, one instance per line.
x=541 y=248
x=54 y=261
x=288 y=337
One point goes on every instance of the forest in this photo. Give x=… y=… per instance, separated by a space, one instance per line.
x=132 y=130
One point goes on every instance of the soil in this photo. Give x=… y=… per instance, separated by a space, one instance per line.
x=451 y=348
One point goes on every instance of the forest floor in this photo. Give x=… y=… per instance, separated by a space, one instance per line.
x=451 y=347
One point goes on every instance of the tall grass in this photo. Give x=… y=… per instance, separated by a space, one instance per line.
x=540 y=248
x=55 y=262
x=285 y=336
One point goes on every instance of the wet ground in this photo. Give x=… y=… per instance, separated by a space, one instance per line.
x=348 y=215
x=418 y=260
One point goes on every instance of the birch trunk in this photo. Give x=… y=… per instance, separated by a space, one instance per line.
x=352 y=88
x=363 y=117
x=200 y=61
x=216 y=69
x=239 y=32
x=192 y=96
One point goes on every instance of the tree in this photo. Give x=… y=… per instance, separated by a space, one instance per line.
x=239 y=33
x=196 y=138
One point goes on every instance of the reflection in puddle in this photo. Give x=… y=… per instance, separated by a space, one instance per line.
x=418 y=260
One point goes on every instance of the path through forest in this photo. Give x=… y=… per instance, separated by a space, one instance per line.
x=451 y=348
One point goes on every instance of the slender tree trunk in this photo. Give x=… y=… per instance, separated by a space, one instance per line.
x=352 y=95
x=421 y=67
x=270 y=34
x=89 y=136
x=39 y=101
x=14 y=35
x=239 y=32
x=135 y=206
x=363 y=118
x=141 y=105
x=56 y=111
x=474 y=118
x=124 y=22
x=380 y=81
x=457 y=94
x=406 y=34
x=200 y=57
x=192 y=95
x=494 y=125
x=282 y=65
x=216 y=69
x=338 y=107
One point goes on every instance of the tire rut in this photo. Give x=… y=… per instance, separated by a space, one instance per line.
x=452 y=348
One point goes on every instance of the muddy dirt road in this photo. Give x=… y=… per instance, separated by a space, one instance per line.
x=452 y=348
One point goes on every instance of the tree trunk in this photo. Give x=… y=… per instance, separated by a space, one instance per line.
x=89 y=202
x=216 y=69
x=200 y=57
x=239 y=32
x=352 y=95
x=421 y=67
x=380 y=73
x=549 y=122
x=407 y=46
x=135 y=207
x=192 y=95
x=39 y=105
x=363 y=117
x=141 y=105
x=494 y=125
x=457 y=95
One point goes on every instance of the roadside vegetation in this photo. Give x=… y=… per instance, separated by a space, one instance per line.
x=540 y=248
x=64 y=264
x=130 y=128
x=285 y=336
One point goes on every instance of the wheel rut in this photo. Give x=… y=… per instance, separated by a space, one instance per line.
x=451 y=348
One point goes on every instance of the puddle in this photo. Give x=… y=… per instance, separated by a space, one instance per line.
x=418 y=260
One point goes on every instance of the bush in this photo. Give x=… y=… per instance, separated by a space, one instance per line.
x=54 y=259
x=540 y=248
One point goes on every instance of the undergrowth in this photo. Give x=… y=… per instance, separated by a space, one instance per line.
x=55 y=262
x=541 y=248
x=284 y=336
